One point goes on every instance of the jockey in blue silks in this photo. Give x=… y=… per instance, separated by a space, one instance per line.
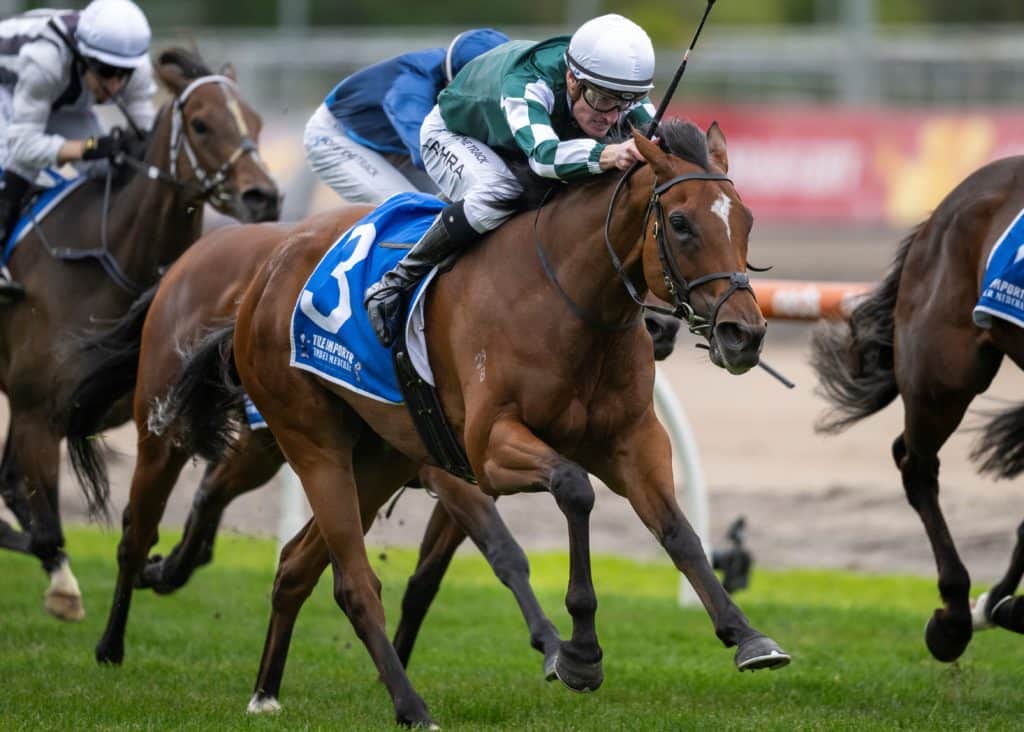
x=364 y=140
x=54 y=66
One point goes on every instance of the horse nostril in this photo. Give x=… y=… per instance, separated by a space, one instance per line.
x=263 y=204
x=737 y=337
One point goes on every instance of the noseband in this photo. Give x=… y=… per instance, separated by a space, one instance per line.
x=678 y=287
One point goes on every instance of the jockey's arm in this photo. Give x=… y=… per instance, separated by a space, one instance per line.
x=30 y=148
x=407 y=103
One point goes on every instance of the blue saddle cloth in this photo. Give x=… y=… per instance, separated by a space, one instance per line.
x=40 y=206
x=1002 y=288
x=331 y=334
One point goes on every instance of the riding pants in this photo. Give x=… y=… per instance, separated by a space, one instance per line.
x=354 y=171
x=468 y=170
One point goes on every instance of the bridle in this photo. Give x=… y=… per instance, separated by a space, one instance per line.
x=676 y=283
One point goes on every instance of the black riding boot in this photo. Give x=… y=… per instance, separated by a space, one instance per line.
x=12 y=193
x=385 y=300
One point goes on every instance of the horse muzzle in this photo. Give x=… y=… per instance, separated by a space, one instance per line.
x=259 y=203
x=736 y=346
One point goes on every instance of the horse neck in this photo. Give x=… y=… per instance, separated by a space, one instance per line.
x=573 y=233
x=152 y=222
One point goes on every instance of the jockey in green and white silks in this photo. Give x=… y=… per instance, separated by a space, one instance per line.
x=553 y=103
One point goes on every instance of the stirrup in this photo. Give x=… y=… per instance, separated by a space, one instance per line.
x=10 y=291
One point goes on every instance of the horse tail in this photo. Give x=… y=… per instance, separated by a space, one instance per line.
x=202 y=408
x=1000 y=448
x=854 y=359
x=114 y=358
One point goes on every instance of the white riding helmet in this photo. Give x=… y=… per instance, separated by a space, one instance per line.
x=114 y=32
x=614 y=53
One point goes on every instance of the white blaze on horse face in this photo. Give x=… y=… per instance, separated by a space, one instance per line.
x=481 y=364
x=721 y=208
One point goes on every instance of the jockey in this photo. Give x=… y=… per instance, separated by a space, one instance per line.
x=54 y=66
x=364 y=140
x=558 y=103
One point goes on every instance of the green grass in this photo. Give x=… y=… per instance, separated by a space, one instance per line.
x=858 y=657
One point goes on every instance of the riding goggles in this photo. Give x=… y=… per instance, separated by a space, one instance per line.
x=605 y=100
x=106 y=71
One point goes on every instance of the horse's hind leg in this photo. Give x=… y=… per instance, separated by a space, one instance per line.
x=998 y=606
x=463 y=509
x=156 y=470
x=12 y=487
x=938 y=376
x=35 y=449
x=253 y=461
x=303 y=560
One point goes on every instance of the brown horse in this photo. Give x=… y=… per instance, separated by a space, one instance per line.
x=560 y=396
x=136 y=227
x=914 y=337
x=200 y=291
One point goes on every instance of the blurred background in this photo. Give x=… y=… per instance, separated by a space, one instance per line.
x=847 y=122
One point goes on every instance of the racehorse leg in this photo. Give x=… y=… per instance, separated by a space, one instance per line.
x=463 y=509
x=938 y=377
x=515 y=460
x=998 y=606
x=303 y=560
x=12 y=487
x=35 y=448
x=156 y=470
x=253 y=461
x=641 y=470
x=11 y=538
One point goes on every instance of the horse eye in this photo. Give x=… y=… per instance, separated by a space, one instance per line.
x=199 y=126
x=681 y=224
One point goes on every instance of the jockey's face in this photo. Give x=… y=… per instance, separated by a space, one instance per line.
x=593 y=122
x=104 y=82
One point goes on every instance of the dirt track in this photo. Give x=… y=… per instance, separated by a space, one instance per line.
x=809 y=500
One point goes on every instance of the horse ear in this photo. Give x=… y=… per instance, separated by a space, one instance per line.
x=716 y=147
x=652 y=153
x=172 y=75
x=228 y=70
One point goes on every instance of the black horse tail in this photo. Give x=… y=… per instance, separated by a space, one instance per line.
x=113 y=355
x=1000 y=448
x=202 y=408
x=854 y=360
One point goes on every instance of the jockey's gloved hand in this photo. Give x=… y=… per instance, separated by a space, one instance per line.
x=106 y=146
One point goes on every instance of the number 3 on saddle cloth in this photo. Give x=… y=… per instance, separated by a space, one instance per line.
x=1002 y=288
x=332 y=337
x=41 y=202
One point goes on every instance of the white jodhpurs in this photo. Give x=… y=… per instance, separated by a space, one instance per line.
x=352 y=170
x=468 y=170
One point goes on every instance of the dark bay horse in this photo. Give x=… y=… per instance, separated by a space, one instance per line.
x=914 y=337
x=200 y=291
x=560 y=397
x=202 y=148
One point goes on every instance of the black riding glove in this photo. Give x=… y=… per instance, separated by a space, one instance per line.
x=105 y=147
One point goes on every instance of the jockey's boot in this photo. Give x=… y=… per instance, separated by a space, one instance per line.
x=385 y=300
x=12 y=193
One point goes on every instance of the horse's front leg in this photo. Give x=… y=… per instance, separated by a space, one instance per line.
x=640 y=468
x=515 y=460
x=35 y=448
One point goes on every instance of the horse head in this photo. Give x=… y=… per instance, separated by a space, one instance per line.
x=694 y=251
x=214 y=136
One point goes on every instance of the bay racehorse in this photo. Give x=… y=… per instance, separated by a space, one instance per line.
x=914 y=337
x=567 y=388
x=144 y=350
x=202 y=149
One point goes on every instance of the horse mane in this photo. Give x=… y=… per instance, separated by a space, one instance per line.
x=678 y=137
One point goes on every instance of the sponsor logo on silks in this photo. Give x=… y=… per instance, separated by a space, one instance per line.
x=446 y=157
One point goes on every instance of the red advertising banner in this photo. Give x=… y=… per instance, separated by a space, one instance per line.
x=893 y=166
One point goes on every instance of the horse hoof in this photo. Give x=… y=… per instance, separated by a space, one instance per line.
x=760 y=652
x=980 y=619
x=575 y=673
x=945 y=642
x=263 y=705
x=106 y=654
x=549 y=666
x=64 y=606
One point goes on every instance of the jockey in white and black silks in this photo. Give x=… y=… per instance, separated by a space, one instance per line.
x=54 y=66
x=364 y=140
x=557 y=103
